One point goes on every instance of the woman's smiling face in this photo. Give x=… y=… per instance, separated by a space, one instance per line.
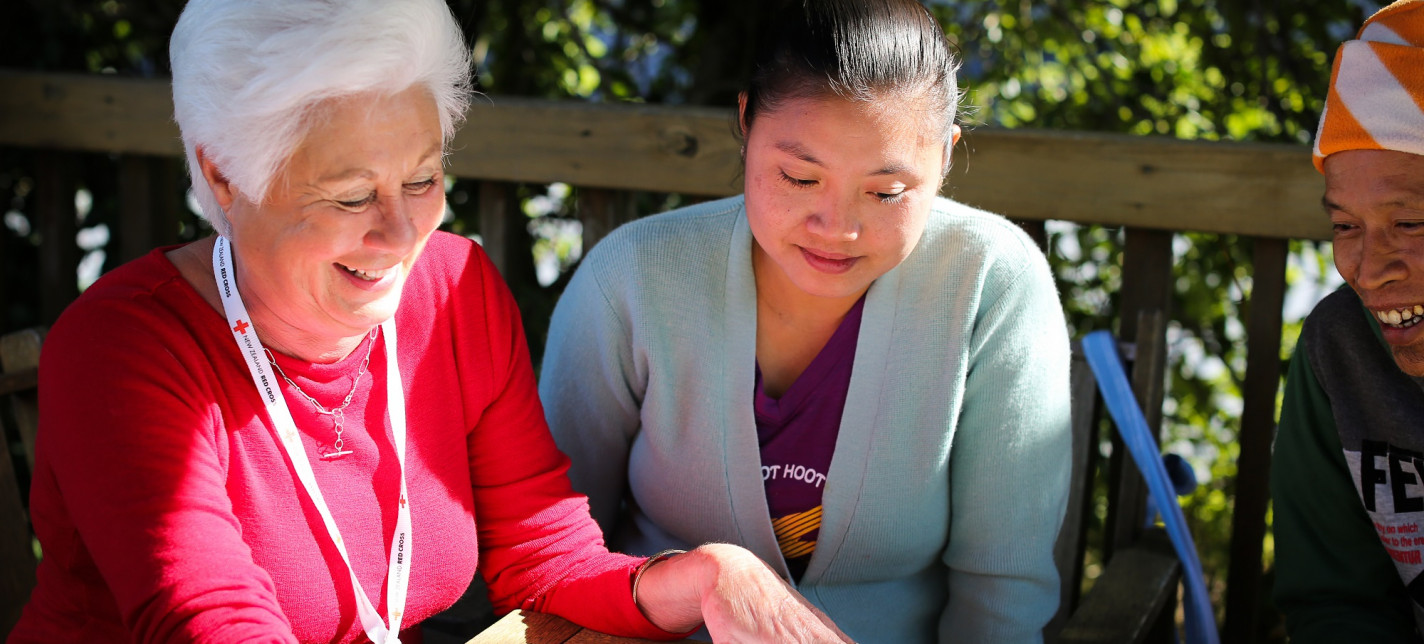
x=325 y=255
x=838 y=193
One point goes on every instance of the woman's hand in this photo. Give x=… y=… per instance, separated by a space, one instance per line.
x=737 y=595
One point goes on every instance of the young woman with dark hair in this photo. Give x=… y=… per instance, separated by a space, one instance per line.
x=860 y=381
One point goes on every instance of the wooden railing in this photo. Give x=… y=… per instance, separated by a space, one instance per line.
x=1266 y=194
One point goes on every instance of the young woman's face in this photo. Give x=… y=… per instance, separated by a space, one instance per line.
x=837 y=192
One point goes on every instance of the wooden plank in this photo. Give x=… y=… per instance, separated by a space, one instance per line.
x=18 y=381
x=88 y=112
x=1127 y=599
x=587 y=636
x=627 y=146
x=1150 y=182
x=1258 y=424
x=527 y=627
x=1072 y=542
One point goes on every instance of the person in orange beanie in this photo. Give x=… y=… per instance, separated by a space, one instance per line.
x=1348 y=477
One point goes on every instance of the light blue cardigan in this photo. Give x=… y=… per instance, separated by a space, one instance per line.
x=950 y=474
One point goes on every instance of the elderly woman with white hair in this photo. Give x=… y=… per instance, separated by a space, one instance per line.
x=234 y=444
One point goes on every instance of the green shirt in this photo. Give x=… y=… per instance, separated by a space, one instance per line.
x=1347 y=402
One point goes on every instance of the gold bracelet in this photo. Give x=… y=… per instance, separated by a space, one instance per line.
x=648 y=563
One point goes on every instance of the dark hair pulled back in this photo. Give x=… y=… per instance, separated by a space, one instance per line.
x=856 y=50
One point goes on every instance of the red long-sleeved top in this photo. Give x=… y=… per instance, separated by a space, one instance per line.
x=168 y=511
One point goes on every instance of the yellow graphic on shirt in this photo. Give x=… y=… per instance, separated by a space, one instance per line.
x=791 y=528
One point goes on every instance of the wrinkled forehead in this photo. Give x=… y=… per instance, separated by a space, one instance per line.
x=1369 y=178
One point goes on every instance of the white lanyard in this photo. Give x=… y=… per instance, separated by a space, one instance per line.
x=251 y=348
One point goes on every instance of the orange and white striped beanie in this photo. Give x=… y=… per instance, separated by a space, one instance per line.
x=1376 y=99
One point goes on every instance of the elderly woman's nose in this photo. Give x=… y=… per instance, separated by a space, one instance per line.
x=395 y=228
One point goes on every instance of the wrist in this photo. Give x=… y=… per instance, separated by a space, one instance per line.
x=671 y=591
x=649 y=563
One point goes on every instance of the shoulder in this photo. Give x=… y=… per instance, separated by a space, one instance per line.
x=1337 y=326
x=956 y=231
x=685 y=228
x=967 y=248
x=1340 y=309
x=447 y=254
x=449 y=266
x=671 y=249
x=147 y=293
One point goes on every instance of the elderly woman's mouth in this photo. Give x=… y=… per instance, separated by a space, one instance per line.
x=369 y=275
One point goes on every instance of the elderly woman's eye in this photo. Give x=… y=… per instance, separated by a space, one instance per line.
x=357 y=204
x=419 y=187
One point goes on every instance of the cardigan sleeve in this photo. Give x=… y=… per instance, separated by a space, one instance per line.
x=592 y=390
x=1334 y=582
x=127 y=436
x=1009 y=464
x=539 y=548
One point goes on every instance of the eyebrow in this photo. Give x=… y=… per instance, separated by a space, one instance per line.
x=795 y=150
x=1412 y=200
x=367 y=173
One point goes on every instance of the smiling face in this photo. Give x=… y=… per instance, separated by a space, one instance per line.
x=1375 y=199
x=837 y=194
x=323 y=258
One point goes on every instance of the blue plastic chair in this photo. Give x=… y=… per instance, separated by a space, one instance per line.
x=1100 y=350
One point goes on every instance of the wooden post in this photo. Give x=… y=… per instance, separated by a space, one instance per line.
x=135 y=207
x=1258 y=423
x=494 y=200
x=55 y=215
x=600 y=211
x=1146 y=288
x=1036 y=230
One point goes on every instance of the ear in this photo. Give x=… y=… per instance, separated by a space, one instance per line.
x=221 y=187
x=742 y=113
x=954 y=133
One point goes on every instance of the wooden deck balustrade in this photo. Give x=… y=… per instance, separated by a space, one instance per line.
x=1152 y=187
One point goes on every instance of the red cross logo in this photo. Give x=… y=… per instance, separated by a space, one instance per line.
x=241 y=327
x=402 y=501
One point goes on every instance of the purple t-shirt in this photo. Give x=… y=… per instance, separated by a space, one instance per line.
x=797 y=434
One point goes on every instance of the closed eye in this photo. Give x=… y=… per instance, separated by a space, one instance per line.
x=889 y=197
x=799 y=183
x=358 y=203
x=420 y=187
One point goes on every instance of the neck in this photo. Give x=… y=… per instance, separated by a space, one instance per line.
x=291 y=340
x=195 y=263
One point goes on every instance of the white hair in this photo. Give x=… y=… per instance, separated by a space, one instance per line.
x=247 y=74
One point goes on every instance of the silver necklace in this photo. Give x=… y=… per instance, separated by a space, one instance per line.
x=338 y=414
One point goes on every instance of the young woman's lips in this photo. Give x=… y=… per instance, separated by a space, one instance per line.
x=828 y=262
